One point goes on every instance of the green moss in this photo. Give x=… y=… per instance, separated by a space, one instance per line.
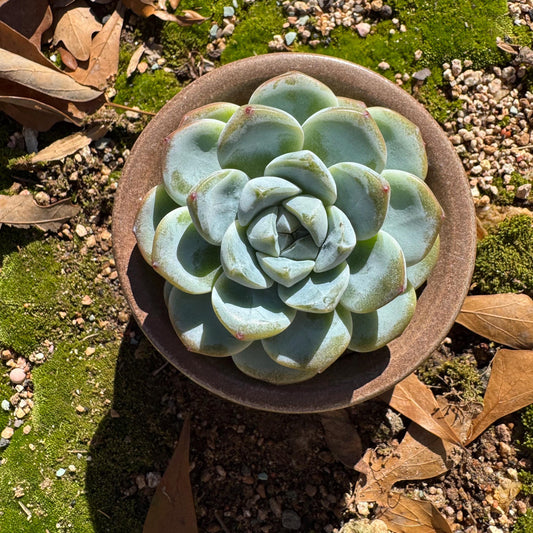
x=504 y=260
x=458 y=375
x=526 y=418
x=251 y=38
x=179 y=41
x=149 y=91
x=504 y=196
x=7 y=128
x=464 y=29
x=526 y=443
x=524 y=523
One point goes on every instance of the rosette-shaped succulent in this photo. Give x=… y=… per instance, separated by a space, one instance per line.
x=291 y=229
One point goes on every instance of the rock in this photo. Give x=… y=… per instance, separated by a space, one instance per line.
x=363 y=29
x=418 y=54
x=81 y=231
x=471 y=78
x=153 y=479
x=17 y=376
x=4 y=443
x=383 y=65
x=364 y=526
x=228 y=30
x=290 y=520
x=421 y=75
x=456 y=67
x=290 y=37
x=229 y=11
x=7 y=433
x=522 y=192
x=6 y=406
x=60 y=472
x=42 y=198
x=386 y=11
x=363 y=509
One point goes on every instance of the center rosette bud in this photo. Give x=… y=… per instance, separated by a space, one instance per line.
x=291 y=228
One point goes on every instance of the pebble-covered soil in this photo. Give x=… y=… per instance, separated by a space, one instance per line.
x=251 y=471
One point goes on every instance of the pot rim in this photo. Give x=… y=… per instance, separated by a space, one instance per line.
x=353 y=378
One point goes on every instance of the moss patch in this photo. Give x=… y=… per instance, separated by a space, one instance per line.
x=458 y=375
x=149 y=91
x=38 y=281
x=251 y=38
x=504 y=196
x=524 y=524
x=504 y=260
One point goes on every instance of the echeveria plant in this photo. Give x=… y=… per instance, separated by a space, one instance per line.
x=291 y=229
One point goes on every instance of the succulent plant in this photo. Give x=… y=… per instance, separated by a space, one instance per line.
x=291 y=229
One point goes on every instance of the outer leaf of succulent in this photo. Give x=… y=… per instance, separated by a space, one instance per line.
x=291 y=228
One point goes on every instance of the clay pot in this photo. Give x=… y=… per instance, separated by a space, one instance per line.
x=353 y=378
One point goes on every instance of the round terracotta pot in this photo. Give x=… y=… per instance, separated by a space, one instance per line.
x=354 y=377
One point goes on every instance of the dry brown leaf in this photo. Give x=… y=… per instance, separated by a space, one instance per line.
x=174 y=4
x=134 y=61
x=68 y=145
x=32 y=113
x=415 y=400
x=31 y=18
x=16 y=43
x=67 y=58
x=503 y=318
x=22 y=71
x=140 y=8
x=481 y=232
x=172 y=507
x=341 y=436
x=492 y=216
x=510 y=388
x=74 y=28
x=21 y=211
x=103 y=62
x=190 y=17
x=420 y=455
x=405 y=515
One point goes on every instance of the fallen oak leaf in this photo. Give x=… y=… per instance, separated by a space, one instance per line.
x=103 y=60
x=64 y=147
x=134 y=60
x=22 y=211
x=30 y=18
x=24 y=72
x=32 y=113
x=510 y=388
x=67 y=58
x=405 y=515
x=74 y=28
x=414 y=399
x=190 y=17
x=143 y=9
x=420 y=455
x=16 y=43
x=342 y=438
x=172 y=507
x=481 y=232
x=503 y=318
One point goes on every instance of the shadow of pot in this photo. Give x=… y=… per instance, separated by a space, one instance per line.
x=353 y=378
